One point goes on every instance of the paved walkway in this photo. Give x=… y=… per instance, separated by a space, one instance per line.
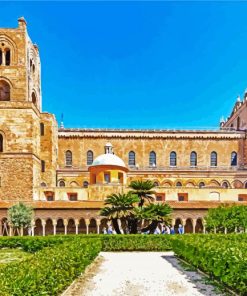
x=140 y=274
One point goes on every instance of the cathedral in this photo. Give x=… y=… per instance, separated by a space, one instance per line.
x=65 y=174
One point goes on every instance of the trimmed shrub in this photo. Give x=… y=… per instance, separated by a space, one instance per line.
x=223 y=257
x=50 y=270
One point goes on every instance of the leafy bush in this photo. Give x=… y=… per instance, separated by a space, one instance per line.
x=223 y=257
x=50 y=270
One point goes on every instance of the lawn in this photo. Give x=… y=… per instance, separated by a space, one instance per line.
x=12 y=255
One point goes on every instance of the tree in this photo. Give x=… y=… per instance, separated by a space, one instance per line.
x=155 y=213
x=20 y=217
x=120 y=206
x=143 y=189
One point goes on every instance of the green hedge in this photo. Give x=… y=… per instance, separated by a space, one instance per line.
x=223 y=257
x=50 y=270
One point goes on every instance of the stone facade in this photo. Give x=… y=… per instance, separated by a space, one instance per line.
x=52 y=169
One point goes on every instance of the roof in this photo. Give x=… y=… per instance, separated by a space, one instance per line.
x=178 y=205
x=108 y=159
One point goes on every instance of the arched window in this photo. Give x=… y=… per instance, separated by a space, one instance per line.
x=234 y=158
x=7 y=57
x=85 y=184
x=156 y=184
x=1 y=143
x=245 y=185
x=4 y=91
x=213 y=159
x=1 y=57
x=193 y=159
x=225 y=185
x=61 y=183
x=132 y=158
x=201 y=184
x=178 y=184
x=34 y=99
x=173 y=158
x=152 y=159
x=89 y=157
x=43 y=184
x=68 y=158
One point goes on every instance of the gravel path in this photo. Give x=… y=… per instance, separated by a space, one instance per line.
x=139 y=274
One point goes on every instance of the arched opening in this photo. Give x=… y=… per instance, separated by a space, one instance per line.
x=4 y=91
x=48 y=227
x=68 y=158
x=214 y=183
x=71 y=227
x=190 y=184
x=92 y=226
x=178 y=184
x=188 y=226
x=43 y=184
x=85 y=184
x=173 y=159
x=132 y=158
x=237 y=184
x=193 y=159
x=156 y=184
x=38 y=230
x=34 y=98
x=152 y=159
x=238 y=123
x=103 y=225
x=225 y=184
x=177 y=222
x=82 y=226
x=7 y=57
x=5 y=227
x=61 y=183
x=60 y=226
x=89 y=157
x=74 y=184
x=1 y=57
x=201 y=185
x=199 y=226
x=245 y=185
x=234 y=158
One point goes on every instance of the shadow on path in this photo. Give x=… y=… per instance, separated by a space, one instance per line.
x=198 y=280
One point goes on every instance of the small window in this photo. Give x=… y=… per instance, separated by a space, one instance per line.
x=245 y=185
x=89 y=157
x=180 y=198
x=85 y=184
x=213 y=159
x=42 y=129
x=61 y=183
x=42 y=166
x=7 y=57
x=193 y=159
x=156 y=184
x=68 y=158
x=132 y=158
x=4 y=91
x=234 y=158
x=201 y=185
x=225 y=185
x=1 y=57
x=179 y=184
x=72 y=196
x=1 y=143
x=152 y=159
x=34 y=99
x=43 y=184
x=158 y=198
x=173 y=159
x=238 y=123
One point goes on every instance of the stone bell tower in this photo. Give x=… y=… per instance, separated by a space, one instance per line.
x=20 y=107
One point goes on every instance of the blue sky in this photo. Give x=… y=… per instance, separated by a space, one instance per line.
x=138 y=64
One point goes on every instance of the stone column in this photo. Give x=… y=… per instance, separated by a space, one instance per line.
x=43 y=222
x=10 y=230
x=65 y=222
x=32 y=227
x=194 y=225
x=87 y=222
x=204 y=226
x=98 y=225
x=3 y=58
x=76 y=225
x=54 y=223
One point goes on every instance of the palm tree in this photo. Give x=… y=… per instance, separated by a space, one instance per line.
x=120 y=206
x=156 y=213
x=143 y=189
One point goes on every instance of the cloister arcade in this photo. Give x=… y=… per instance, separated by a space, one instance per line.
x=51 y=226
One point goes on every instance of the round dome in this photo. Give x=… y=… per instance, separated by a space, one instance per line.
x=108 y=159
